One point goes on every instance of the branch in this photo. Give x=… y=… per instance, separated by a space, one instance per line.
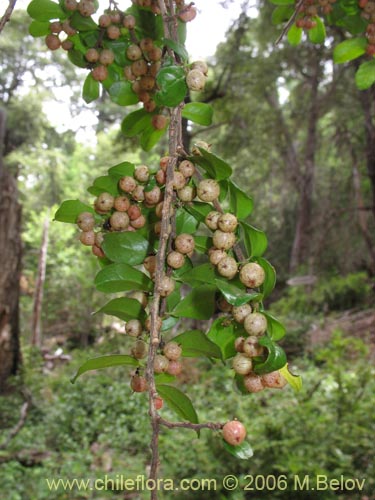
x=21 y=422
x=290 y=22
x=7 y=14
x=188 y=425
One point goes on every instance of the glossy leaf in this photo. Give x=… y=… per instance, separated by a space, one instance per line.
x=178 y=402
x=243 y=451
x=69 y=210
x=202 y=244
x=294 y=35
x=185 y=222
x=318 y=33
x=45 y=10
x=240 y=203
x=270 y=280
x=122 y=278
x=124 y=308
x=213 y=165
x=195 y=343
x=223 y=333
x=234 y=294
x=128 y=247
x=77 y=58
x=82 y=23
x=90 y=90
x=198 y=112
x=171 y=81
x=134 y=123
x=104 y=184
x=122 y=169
x=275 y=329
x=105 y=362
x=199 y=210
x=39 y=28
x=254 y=239
x=365 y=75
x=177 y=48
x=164 y=378
x=276 y=357
x=122 y=94
x=295 y=381
x=198 y=304
x=204 y=273
x=151 y=136
x=349 y=50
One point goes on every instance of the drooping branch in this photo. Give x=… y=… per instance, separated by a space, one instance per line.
x=7 y=14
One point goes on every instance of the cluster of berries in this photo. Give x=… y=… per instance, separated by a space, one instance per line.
x=310 y=9
x=185 y=12
x=368 y=13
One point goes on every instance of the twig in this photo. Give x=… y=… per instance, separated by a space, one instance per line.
x=188 y=425
x=290 y=22
x=21 y=422
x=7 y=14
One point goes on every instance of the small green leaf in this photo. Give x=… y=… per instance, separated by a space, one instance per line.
x=198 y=112
x=172 y=86
x=178 y=402
x=122 y=278
x=128 y=247
x=151 y=136
x=45 y=10
x=135 y=123
x=294 y=380
x=294 y=35
x=77 y=58
x=240 y=203
x=104 y=184
x=349 y=50
x=177 y=48
x=203 y=243
x=275 y=329
x=223 y=332
x=243 y=451
x=270 y=280
x=82 y=23
x=276 y=358
x=105 y=362
x=213 y=165
x=122 y=93
x=185 y=222
x=318 y=33
x=39 y=28
x=198 y=304
x=236 y=295
x=254 y=239
x=90 y=90
x=124 y=308
x=204 y=273
x=195 y=343
x=122 y=169
x=281 y=13
x=69 y=210
x=365 y=75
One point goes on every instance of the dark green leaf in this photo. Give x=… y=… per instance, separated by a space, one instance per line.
x=178 y=48
x=294 y=381
x=69 y=210
x=275 y=329
x=204 y=273
x=276 y=358
x=122 y=169
x=82 y=23
x=241 y=204
x=202 y=243
x=185 y=222
x=164 y=378
x=39 y=28
x=169 y=323
x=122 y=94
x=199 y=210
x=254 y=239
x=124 y=308
x=198 y=112
x=318 y=33
x=105 y=362
x=45 y=10
x=223 y=332
x=122 y=278
x=77 y=58
x=294 y=35
x=349 y=50
x=128 y=247
x=151 y=136
x=236 y=295
x=213 y=165
x=198 y=304
x=90 y=90
x=135 y=123
x=243 y=451
x=195 y=343
x=172 y=86
x=178 y=402
x=365 y=75
x=104 y=184
x=270 y=280
x=281 y=13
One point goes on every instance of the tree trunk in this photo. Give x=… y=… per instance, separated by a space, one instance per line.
x=10 y=269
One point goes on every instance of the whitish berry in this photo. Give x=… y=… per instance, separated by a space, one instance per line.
x=133 y=328
x=187 y=193
x=104 y=202
x=227 y=223
x=240 y=312
x=208 y=190
x=87 y=238
x=106 y=57
x=255 y=324
x=142 y=173
x=253 y=383
x=252 y=347
x=212 y=219
x=53 y=42
x=86 y=221
x=234 y=432
x=201 y=66
x=138 y=383
x=174 y=368
x=252 y=275
x=127 y=184
x=227 y=267
x=223 y=241
x=215 y=255
x=239 y=344
x=167 y=285
x=153 y=196
x=184 y=243
x=160 y=363
x=195 y=80
x=172 y=351
x=121 y=203
x=242 y=364
x=139 y=222
x=175 y=259
x=139 y=193
x=200 y=144
x=187 y=168
x=119 y=221
x=274 y=380
x=179 y=180
x=139 y=351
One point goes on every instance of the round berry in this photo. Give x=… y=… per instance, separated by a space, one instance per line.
x=175 y=260
x=167 y=285
x=138 y=383
x=239 y=344
x=97 y=251
x=134 y=328
x=99 y=73
x=71 y=5
x=255 y=324
x=187 y=193
x=227 y=223
x=158 y=403
x=127 y=184
x=195 y=80
x=128 y=73
x=252 y=275
x=212 y=219
x=142 y=173
x=106 y=57
x=138 y=194
x=55 y=27
x=224 y=305
x=227 y=267
x=121 y=203
x=67 y=45
x=253 y=383
x=274 y=380
x=159 y=122
x=153 y=196
x=87 y=238
x=150 y=263
x=139 y=67
x=184 y=243
x=113 y=32
x=160 y=177
x=242 y=364
x=200 y=144
x=53 y=42
x=179 y=180
x=174 y=368
x=104 y=21
x=215 y=255
x=155 y=54
x=134 y=212
x=86 y=221
x=208 y=190
x=172 y=351
x=201 y=66
x=86 y=8
x=139 y=222
x=99 y=238
x=160 y=363
x=187 y=168
x=187 y=14
x=234 y=432
x=240 y=312
x=223 y=241
x=104 y=202
x=252 y=347
x=139 y=351
x=119 y=221
x=129 y=22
